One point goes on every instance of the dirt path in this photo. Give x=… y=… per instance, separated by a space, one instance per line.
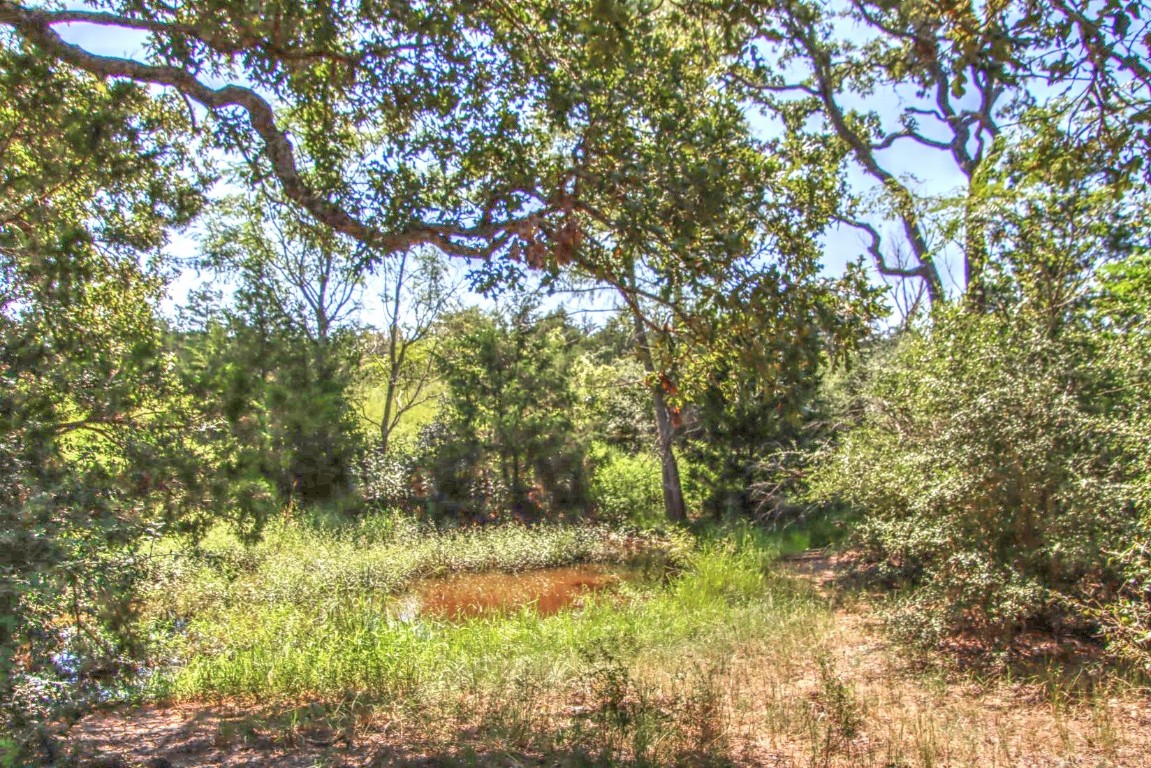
x=844 y=697
x=871 y=703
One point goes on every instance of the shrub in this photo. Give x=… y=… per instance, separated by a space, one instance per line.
x=626 y=486
x=996 y=464
x=1124 y=316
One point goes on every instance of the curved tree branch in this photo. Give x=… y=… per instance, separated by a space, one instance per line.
x=36 y=27
x=875 y=249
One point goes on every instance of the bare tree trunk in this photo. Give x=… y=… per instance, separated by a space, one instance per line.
x=390 y=388
x=394 y=332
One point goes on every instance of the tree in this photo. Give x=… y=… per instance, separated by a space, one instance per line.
x=512 y=445
x=308 y=276
x=1123 y=323
x=1054 y=212
x=997 y=457
x=291 y=344
x=614 y=405
x=532 y=134
x=502 y=132
x=743 y=298
x=668 y=190
x=954 y=73
x=345 y=70
x=417 y=293
x=99 y=447
x=467 y=106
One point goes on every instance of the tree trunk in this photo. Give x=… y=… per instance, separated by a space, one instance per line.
x=672 y=488
x=390 y=388
x=974 y=258
x=394 y=353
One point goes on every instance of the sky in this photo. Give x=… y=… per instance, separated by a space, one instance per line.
x=933 y=172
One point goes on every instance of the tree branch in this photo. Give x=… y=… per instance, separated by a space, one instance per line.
x=35 y=26
x=1093 y=41
x=890 y=139
x=874 y=248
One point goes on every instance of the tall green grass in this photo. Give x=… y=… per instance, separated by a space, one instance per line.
x=355 y=644
x=312 y=613
x=321 y=569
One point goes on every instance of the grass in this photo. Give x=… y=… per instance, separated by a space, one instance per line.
x=310 y=613
x=637 y=675
x=359 y=646
x=321 y=568
x=722 y=659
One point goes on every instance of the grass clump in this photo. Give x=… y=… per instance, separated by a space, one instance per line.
x=353 y=639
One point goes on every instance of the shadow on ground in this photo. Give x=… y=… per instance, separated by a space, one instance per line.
x=181 y=736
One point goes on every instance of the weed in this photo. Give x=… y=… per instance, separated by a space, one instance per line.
x=840 y=718
x=310 y=614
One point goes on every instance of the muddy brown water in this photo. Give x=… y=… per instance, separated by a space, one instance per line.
x=547 y=591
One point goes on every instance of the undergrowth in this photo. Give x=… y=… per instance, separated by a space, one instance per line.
x=316 y=615
x=638 y=674
x=319 y=567
x=716 y=657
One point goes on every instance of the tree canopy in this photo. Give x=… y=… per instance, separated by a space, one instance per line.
x=949 y=78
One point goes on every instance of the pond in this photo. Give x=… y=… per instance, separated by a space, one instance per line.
x=547 y=591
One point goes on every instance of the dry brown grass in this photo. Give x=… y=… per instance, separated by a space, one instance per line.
x=859 y=700
x=877 y=709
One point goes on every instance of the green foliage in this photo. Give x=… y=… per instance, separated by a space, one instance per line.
x=400 y=361
x=541 y=134
x=327 y=631
x=995 y=465
x=862 y=78
x=997 y=452
x=99 y=446
x=1123 y=305
x=275 y=364
x=1053 y=210
x=280 y=400
x=507 y=443
x=613 y=404
x=370 y=394
x=840 y=707
x=306 y=565
x=626 y=487
x=735 y=426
